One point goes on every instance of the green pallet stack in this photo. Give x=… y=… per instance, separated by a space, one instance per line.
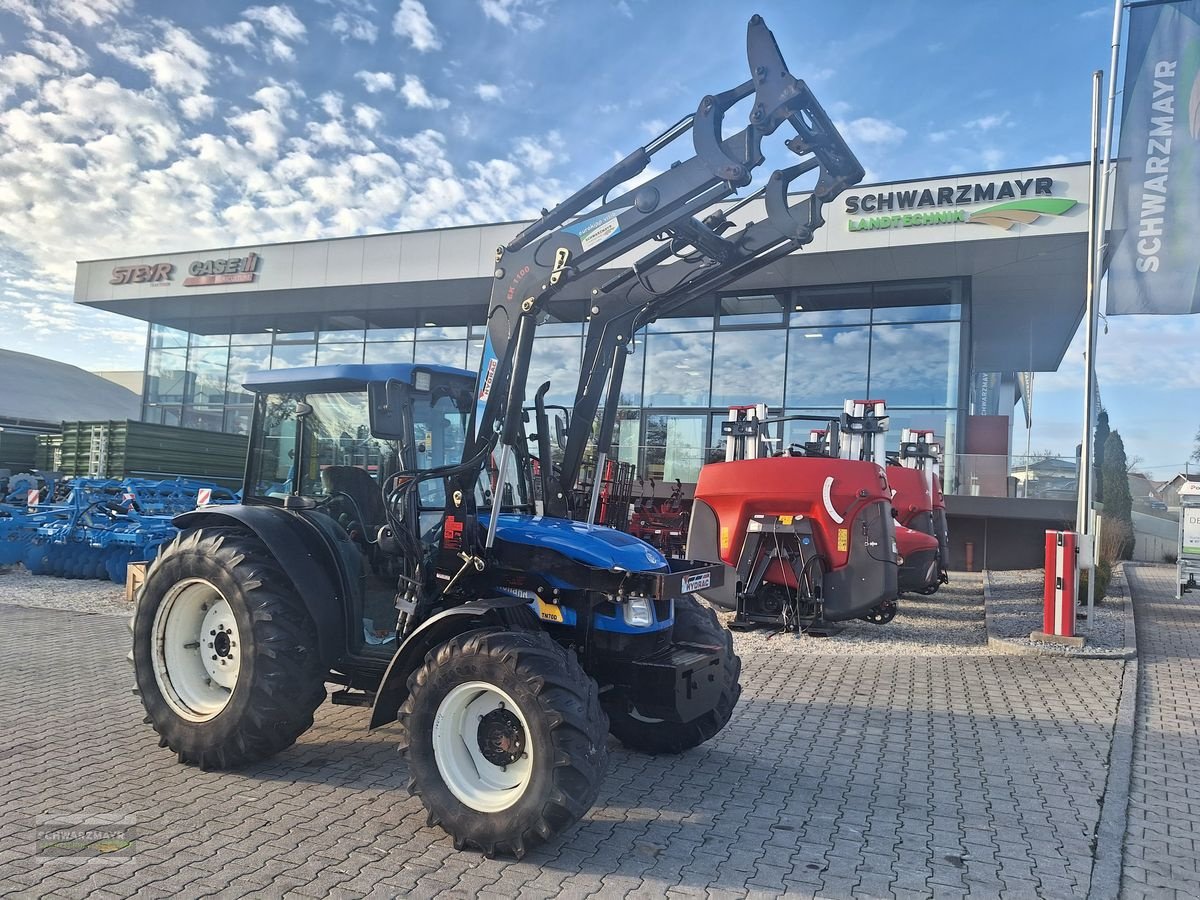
x=145 y=450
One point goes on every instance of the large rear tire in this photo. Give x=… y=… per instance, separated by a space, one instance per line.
x=224 y=651
x=505 y=739
x=695 y=623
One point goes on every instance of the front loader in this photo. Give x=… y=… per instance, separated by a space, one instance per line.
x=404 y=535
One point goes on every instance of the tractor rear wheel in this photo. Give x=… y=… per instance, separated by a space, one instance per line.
x=505 y=739
x=695 y=623
x=224 y=651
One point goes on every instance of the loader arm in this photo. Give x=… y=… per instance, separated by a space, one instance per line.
x=628 y=301
x=575 y=239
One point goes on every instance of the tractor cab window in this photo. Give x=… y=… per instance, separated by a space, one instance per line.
x=339 y=458
x=440 y=433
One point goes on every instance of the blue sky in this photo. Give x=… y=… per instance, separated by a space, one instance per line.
x=133 y=127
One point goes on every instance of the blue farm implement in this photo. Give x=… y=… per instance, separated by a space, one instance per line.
x=101 y=527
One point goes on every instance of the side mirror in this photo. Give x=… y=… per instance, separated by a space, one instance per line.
x=560 y=432
x=387 y=401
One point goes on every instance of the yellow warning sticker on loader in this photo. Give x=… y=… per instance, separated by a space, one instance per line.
x=843 y=540
x=724 y=537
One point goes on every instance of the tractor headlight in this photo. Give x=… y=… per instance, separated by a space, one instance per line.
x=638 y=613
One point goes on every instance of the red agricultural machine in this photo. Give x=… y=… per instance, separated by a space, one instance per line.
x=811 y=538
x=921 y=551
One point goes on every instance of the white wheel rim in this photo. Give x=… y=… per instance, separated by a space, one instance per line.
x=470 y=776
x=197 y=650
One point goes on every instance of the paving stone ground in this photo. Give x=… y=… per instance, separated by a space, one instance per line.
x=849 y=775
x=1162 y=843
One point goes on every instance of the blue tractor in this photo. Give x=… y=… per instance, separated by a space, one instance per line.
x=415 y=533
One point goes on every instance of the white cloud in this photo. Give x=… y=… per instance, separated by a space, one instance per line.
x=522 y=14
x=367 y=116
x=412 y=21
x=20 y=70
x=1056 y=159
x=350 y=25
x=53 y=47
x=869 y=130
x=280 y=20
x=489 y=92
x=331 y=103
x=940 y=137
x=88 y=13
x=655 y=127
x=240 y=34
x=374 y=82
x=539 y=156
x=987 y=123
x=417 y=97
x=278 y=48
x=993 y=158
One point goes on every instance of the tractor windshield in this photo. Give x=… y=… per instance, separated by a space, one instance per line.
x=336 y=438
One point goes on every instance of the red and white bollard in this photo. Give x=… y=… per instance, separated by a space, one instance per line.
x=1062 y=579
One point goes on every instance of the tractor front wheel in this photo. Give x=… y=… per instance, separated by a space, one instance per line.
x=224 y=651
x=695 y=623
x=505 y=739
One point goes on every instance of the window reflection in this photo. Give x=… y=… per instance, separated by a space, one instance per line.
x=166 y=375
x=206 y=375
x=675 y=447
x=826 y=366
x=677 y=369
x=555 y=360
x=746 y=366
x=339 y=354
x=915 y=365
x=395 y=352
x=442 y=353
x=290 y=357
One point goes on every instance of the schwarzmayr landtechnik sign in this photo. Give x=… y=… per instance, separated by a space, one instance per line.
x=1028 y=200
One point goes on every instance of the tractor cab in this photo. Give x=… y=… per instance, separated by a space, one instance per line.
x=326 y=441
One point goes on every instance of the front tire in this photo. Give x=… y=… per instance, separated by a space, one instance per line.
x=224 y=651
x=505 y=739
x=695 y=623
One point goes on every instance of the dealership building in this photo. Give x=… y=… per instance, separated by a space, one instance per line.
x=937 y=295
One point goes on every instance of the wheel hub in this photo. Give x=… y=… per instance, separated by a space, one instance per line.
x=501 y=737
x=197 y=649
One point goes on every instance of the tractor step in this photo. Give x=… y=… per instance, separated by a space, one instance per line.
x=352 y=698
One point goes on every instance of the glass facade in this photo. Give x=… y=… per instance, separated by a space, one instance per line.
x=800 y=351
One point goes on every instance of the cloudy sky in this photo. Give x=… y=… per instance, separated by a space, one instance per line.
x=133 y=127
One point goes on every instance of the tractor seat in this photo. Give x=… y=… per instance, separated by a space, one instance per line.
x=359 y=486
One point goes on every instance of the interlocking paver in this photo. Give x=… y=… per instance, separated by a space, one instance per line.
x=840 y=776
x=1160 y=845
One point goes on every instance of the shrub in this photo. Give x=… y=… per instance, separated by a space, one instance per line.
x=1103 y=579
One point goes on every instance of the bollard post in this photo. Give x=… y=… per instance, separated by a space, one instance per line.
x=1058 y=592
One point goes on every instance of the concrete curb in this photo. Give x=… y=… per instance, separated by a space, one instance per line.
x=1108 y=857
x=1002 y=644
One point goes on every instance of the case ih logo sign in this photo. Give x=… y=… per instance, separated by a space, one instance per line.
x=141 y=274
x=238 y=270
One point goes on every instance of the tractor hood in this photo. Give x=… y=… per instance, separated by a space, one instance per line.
x=593 y=545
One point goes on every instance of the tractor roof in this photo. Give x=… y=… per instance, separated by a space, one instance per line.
x=339 y=378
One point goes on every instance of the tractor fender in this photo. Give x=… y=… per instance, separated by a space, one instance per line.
x=303 y=554
x=434 y=631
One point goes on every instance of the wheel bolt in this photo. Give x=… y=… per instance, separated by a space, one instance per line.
x=213 y=633
x=214 y=656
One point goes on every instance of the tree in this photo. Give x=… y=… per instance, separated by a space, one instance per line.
x=1196 y=452
x=1118 y=504
x=1102 y=433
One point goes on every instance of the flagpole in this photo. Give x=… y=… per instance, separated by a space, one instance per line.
x=1095 y=221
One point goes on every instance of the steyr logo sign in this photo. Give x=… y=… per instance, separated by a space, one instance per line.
x=141 y=273
x=1028 y=200
x=237 y=270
